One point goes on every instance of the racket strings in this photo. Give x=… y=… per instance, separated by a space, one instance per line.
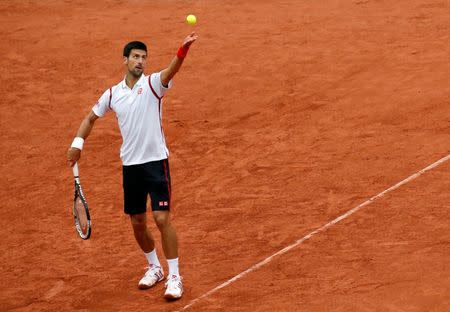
x=81 y=214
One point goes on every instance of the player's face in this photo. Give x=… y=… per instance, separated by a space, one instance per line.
x=136 y=62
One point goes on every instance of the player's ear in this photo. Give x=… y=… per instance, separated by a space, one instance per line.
x=125 y=60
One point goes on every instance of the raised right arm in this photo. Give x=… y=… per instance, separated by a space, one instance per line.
x=74 y=152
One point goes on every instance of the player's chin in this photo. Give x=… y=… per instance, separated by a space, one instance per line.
x=136 y=73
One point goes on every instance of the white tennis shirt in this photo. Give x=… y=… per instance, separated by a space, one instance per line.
x=139 y=114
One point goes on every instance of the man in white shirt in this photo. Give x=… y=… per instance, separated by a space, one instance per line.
x=137 y=102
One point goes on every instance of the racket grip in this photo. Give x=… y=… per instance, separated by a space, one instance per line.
x=75 y=170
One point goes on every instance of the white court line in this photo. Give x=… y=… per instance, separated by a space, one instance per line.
x=321 y=229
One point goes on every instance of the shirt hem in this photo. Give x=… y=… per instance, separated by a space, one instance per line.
x=131 y=163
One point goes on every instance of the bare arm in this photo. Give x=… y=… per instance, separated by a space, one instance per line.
x=174 y=66
x=86 y=125
x=73 y=154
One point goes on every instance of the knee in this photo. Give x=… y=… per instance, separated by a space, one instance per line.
x=161 y=219
x=139 y=222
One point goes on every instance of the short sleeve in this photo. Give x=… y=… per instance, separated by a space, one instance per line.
x=155 y=80
x=103 y=104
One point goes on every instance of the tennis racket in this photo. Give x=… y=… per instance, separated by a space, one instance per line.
x=80 y=208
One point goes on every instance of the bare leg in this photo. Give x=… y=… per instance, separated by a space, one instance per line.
x=142 y=234
x=168 y=234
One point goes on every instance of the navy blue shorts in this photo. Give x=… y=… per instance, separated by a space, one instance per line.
x=139 y=181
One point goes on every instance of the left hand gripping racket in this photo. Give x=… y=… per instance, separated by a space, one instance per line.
x=80 y=208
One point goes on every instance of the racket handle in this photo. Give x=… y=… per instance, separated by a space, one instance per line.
x=75 y=170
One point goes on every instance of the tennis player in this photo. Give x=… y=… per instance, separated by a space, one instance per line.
x=137 y=103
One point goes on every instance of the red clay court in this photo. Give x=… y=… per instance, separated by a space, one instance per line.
x=286 y=115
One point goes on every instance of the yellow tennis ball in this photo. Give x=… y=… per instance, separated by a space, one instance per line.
x=191 y=19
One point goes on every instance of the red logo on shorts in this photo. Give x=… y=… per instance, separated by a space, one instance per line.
x=139 y=90
x=163 y=204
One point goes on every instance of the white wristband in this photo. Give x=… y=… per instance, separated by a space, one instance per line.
x=78 y=143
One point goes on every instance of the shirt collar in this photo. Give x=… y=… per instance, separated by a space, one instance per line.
x=138 y=83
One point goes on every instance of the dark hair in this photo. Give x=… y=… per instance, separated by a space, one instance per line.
x=133 y=45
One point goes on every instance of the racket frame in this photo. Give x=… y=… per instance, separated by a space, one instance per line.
x=79 y=194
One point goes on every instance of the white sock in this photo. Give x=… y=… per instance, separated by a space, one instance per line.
x=173 y=267
x=152 y=258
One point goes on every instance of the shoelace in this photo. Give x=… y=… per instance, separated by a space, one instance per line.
x=152 y=270
x=172 y=281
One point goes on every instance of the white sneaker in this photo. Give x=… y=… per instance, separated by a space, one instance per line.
x=174 y=287
x=153 y=275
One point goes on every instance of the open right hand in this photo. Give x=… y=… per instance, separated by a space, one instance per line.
x=73 y=154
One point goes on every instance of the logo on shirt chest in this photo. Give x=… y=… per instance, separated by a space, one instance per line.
x=140 y=91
